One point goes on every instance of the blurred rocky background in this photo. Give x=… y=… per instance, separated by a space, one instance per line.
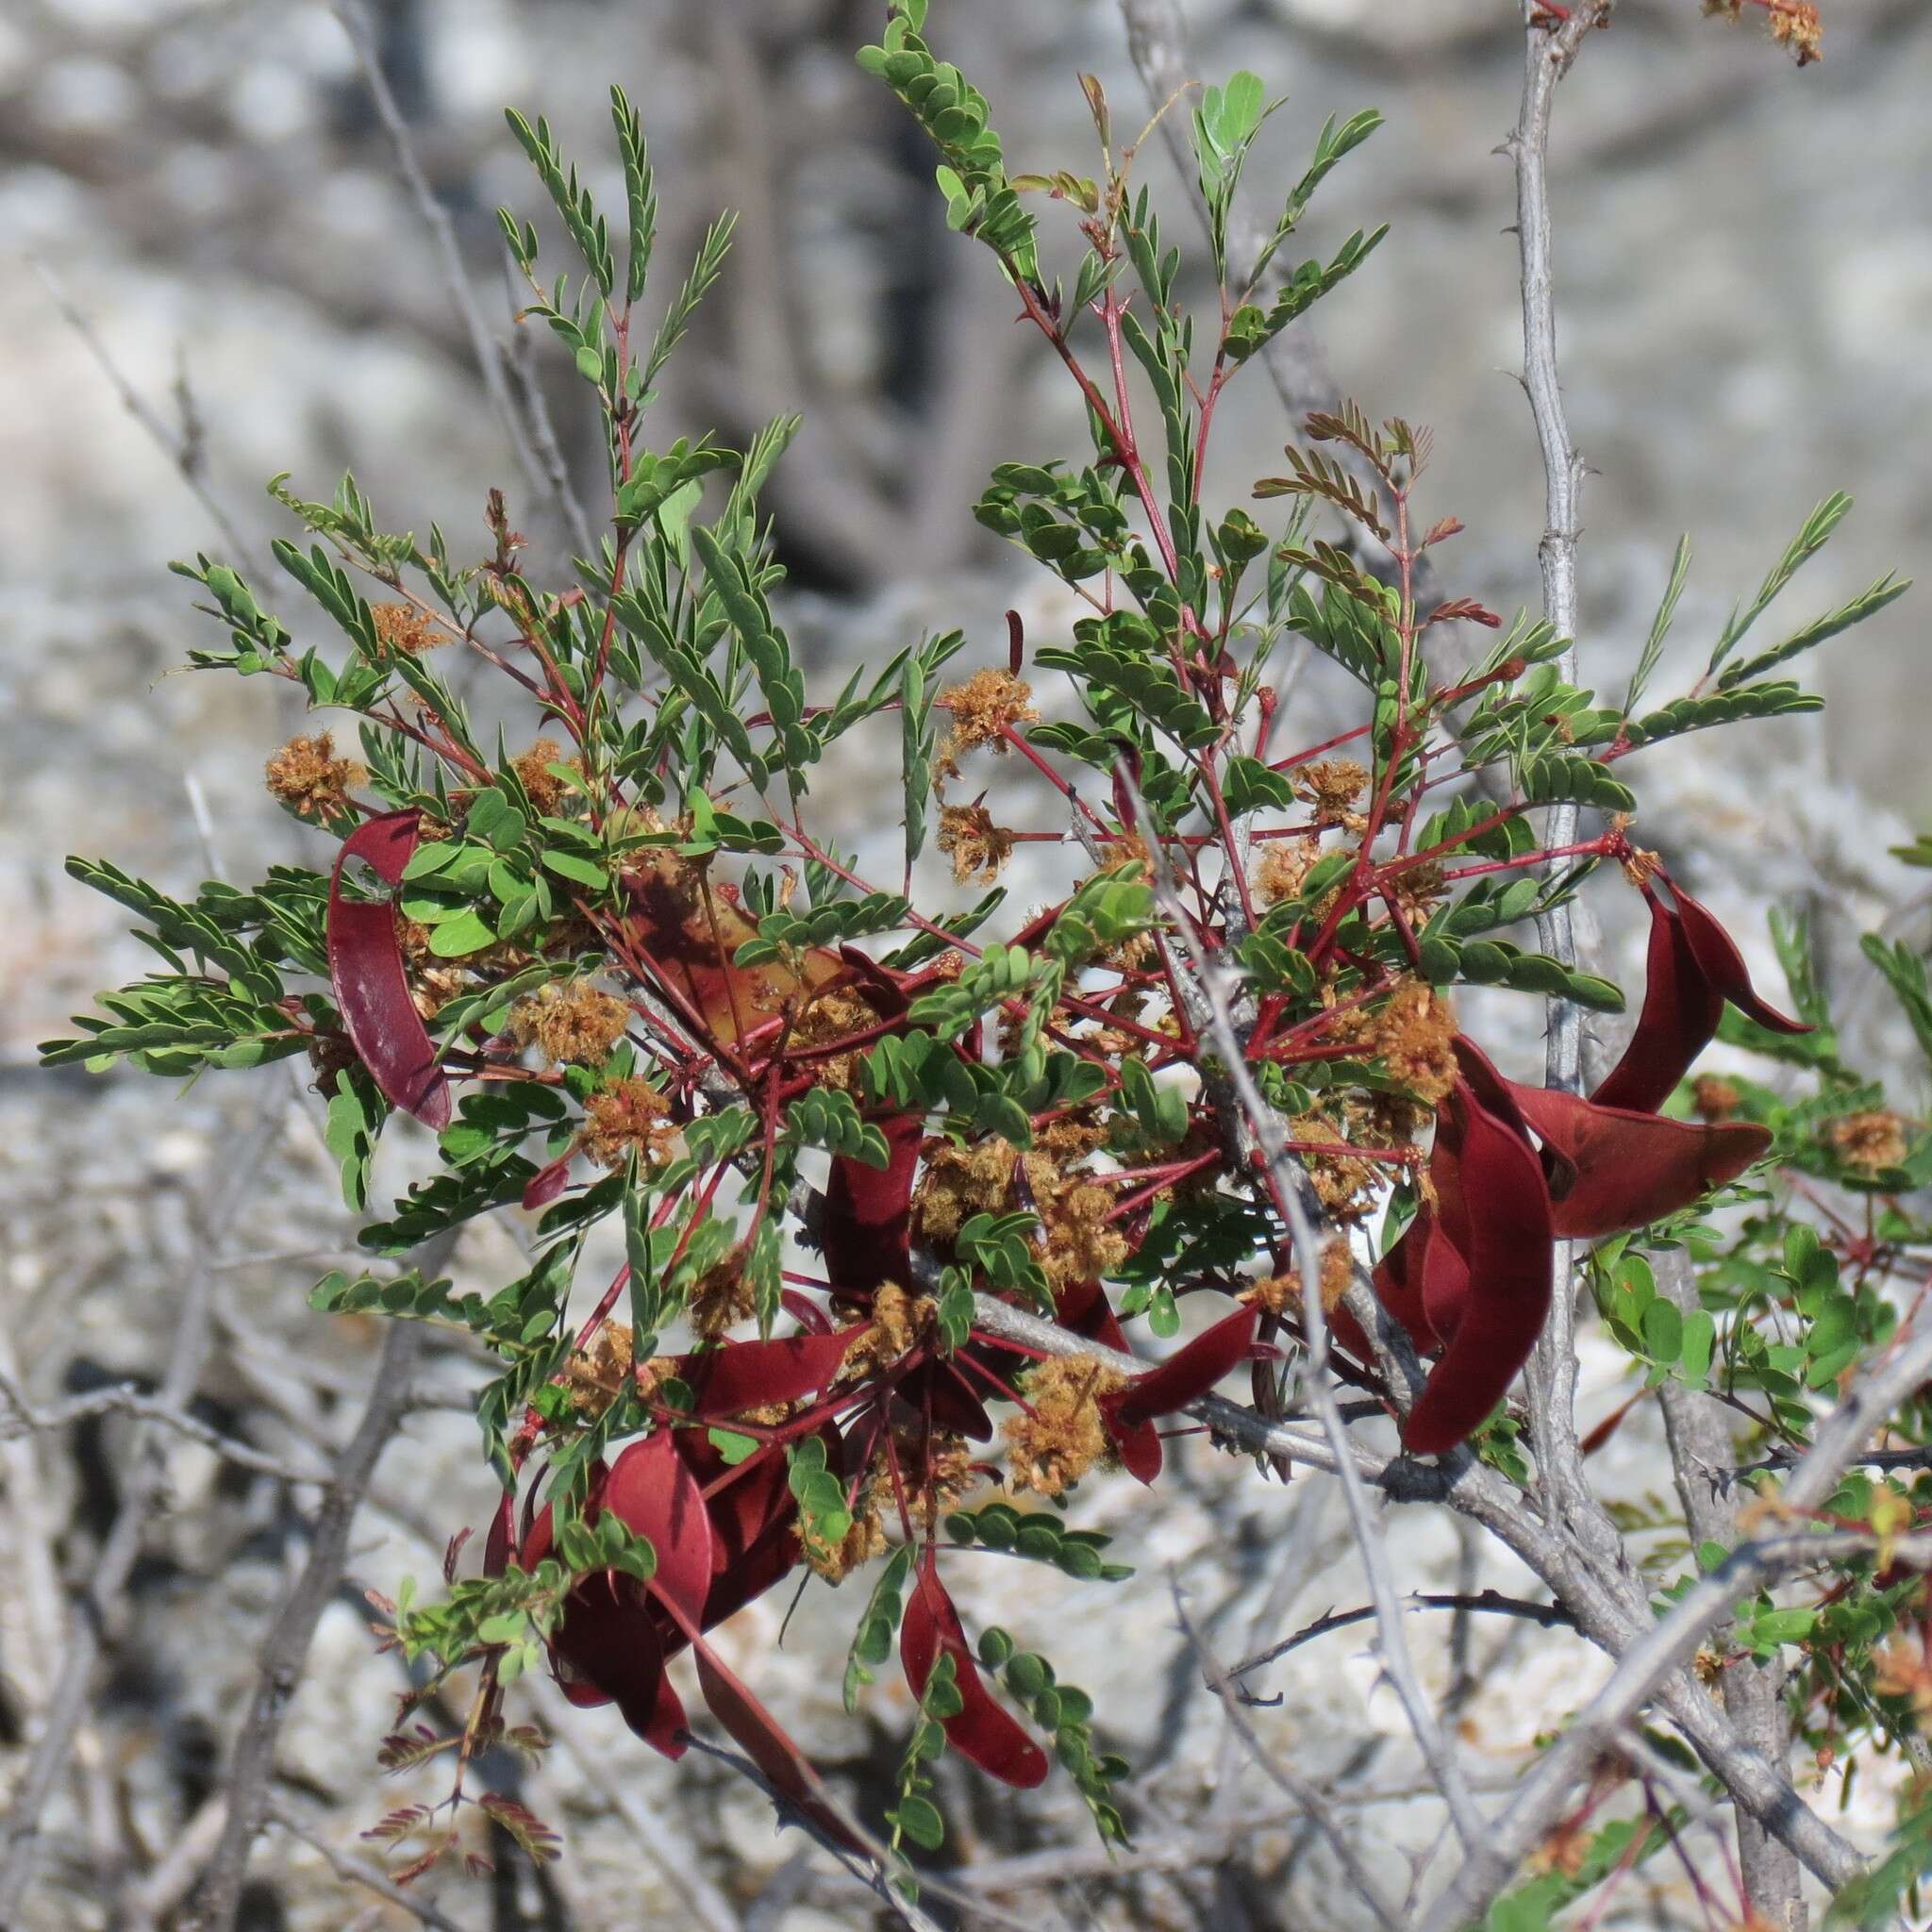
x=203 y=214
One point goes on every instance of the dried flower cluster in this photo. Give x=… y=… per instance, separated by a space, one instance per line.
x=308 y=778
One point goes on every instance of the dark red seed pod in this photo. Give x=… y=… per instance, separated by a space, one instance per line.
x=984 y=1731
x=372 y=985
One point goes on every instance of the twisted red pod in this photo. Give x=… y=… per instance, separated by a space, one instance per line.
x=868 y=1218
x=805 y=1311
x=1691 y=970
x=984 y=1731
x=1723 y=966
x=1502 y=1234
x=606 y=1649
x=615 y=1635
x=500 y=1537
x=1423 y=1281
x=785 y=1766
x=1399 y=1278
x=371 y=988
x=1681 y=1008
x=1612 y=1168
x=754 y=1521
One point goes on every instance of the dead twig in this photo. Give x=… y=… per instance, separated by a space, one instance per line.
x=483 y=346
x=1547 y=55
x=252 y=1764
x=1299 y=1790
x=1488 y=1601
x=101 y=1604
x=360 y=1871
x=184 y=448
x=126 y=1399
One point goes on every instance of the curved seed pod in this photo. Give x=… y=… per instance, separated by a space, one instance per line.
x=752 y=1375
x=983 y=1731
x=372 y=988
x=1508 y=1256
x=1613 y=1169
x=1189 y=1371
x=652 y=1492
x=606 y=1649
x=1691 y=970
x=868 y=1219
x=501 y=1535
x=1398 y=1279
x=785 y=1766
x=805 y=1311
x=1722 y=965
x=1681 y=1008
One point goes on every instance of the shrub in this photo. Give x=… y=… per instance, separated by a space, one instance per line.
x=615 y=965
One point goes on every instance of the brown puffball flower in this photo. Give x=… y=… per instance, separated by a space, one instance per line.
x=1064 y=1436
x=987 y=706
x=899 y=1322
x=1795 y=25
x=1417 y=891
x=1714 y=1097
x=720 y=1297
x=1901 y=1671
x=1413 y=1034
x=977 y=847
x=627 y=1115
x=960 y=1182
x=545 y=790
x=404 y=627
x=1284 y=865
x=595 y=1375
x=433 y=982
x=1081 y=1244
x=864 y=1540
x=1870 y=1141
x=832 y=1016
x=573 y=1022
x=1347 y=1187
x=308 y=778
x=1332 y=788
x=944 y=1476
x=1281 y=1295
